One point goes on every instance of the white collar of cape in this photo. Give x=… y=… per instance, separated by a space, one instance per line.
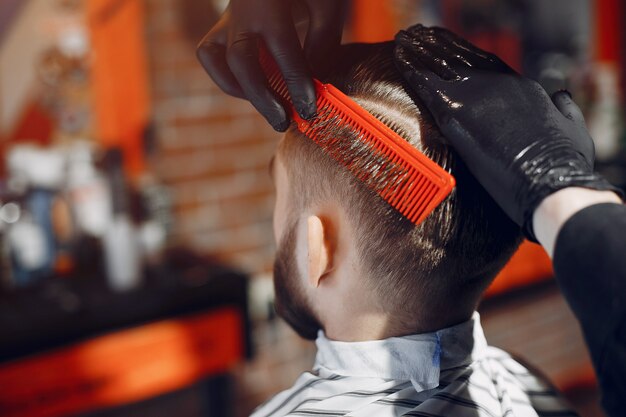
x=419 y=358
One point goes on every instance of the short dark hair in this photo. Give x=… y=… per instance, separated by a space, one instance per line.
x=428 y=276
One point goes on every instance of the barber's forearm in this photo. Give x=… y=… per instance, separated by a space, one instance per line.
x=559 y=207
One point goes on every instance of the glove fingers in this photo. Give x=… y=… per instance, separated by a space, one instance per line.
x=243 y=59
x=284 y=45
x=562 y=99
x=211 y=53
x=416 y=49
x=424 y=83
x=438 y=39
x=469 y=53
x=324 y=34
x=437 y=51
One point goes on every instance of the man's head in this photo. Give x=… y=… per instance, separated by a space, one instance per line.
x=347 y=261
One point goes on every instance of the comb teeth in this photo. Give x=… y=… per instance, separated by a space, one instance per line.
x=404 y=177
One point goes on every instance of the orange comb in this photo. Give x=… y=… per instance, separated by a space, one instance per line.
x=403 y=176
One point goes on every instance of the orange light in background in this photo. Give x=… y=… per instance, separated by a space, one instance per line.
x=530 y=264
x=123 y=367
x=373 y=21
x=120 y=77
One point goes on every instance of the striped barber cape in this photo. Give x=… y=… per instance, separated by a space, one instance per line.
x=451 y=372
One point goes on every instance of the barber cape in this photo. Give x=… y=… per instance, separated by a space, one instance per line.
x=451 y=372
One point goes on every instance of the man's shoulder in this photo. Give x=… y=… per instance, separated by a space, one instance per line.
x=499 y=384
x=310 y=387
x=494 y=385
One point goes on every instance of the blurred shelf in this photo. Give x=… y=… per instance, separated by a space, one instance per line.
x=60 y=312
x=72 y=346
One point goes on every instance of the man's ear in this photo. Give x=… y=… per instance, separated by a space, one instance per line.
x=319 y=249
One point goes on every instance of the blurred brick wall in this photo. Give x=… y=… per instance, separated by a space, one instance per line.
x=213 y=150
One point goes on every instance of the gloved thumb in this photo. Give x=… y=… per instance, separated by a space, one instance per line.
x=562 y=99
x=584 y=144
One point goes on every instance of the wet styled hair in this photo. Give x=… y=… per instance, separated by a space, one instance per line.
x=428 y=276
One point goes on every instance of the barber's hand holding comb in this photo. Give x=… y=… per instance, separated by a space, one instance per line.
x=230 y=51
x=518 y=142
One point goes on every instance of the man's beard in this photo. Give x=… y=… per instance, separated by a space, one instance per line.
x=291 y=303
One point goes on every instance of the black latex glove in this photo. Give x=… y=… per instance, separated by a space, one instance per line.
x=519 y=143
x=230 y=51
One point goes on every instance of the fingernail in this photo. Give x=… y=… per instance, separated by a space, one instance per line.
x=307 y=110
x=563 y=90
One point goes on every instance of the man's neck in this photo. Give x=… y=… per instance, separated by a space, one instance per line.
x=350 y=321
x=361 y=327
x=351 y=311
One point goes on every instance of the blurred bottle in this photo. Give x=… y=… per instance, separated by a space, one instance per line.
x=604 y=121
x=120 y=241
x=155 y=219
x=6 y=273
x=156 y=206
x=65 y=236
x=9 y=214
x=35 y=175
x=27 y=241
x=89 y=192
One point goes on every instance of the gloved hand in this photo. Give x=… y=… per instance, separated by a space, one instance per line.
x=230 y=51
x=521 y=145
